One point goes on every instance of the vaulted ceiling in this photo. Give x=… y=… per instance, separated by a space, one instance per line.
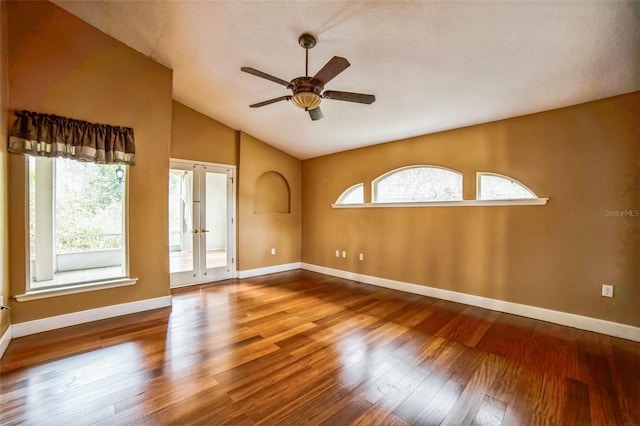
x=432 y=65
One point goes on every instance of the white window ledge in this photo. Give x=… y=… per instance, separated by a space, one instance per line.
x=461 y=203
x=74 y=288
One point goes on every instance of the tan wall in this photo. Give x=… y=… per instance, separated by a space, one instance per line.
x=4 y=230
x=259 y=232
x=61 y=65
x=196 y=137
x=586 y=158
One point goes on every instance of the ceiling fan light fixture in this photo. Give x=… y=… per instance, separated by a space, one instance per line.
x=306 y=100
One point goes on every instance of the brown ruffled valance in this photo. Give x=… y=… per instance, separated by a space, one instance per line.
x=53 y=136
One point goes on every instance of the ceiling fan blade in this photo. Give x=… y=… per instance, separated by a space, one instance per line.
x=270 y=101
x=360 y=98
x=316 y=113
x=332 y=68
x=265 y=76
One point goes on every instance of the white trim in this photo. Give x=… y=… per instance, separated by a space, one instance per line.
x=51 y=323
x=563 y=318
x=459 y=203
x=5 y=339
x=73 y=289
x=201 y=163
x=269 y=270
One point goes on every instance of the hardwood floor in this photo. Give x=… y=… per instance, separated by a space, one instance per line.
x=300 y=347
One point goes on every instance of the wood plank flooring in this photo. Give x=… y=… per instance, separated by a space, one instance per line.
x=304 y=348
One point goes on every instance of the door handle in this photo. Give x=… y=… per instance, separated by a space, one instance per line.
x=195 y=231
x=204 y=230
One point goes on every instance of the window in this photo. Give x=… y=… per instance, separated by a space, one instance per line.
x=418 y=184
x=353 y=195
x=492 y=186
x=76 y=223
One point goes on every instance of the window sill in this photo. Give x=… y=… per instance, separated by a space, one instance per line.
x=73 y=289
x=462 y=203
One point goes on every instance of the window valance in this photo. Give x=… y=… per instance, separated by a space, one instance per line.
x=53 y=136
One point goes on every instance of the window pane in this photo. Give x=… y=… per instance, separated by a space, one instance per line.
x=492 y=187
x=76 y=222
x=88 y=207
x=417 y=184
x=353 y=195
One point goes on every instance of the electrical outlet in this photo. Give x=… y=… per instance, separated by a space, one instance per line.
x=607 y=290
x=344 y=254
x=273 y=251
x=361 y=257
x=337 y=253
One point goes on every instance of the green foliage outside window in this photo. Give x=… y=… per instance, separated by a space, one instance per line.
x=88 y=206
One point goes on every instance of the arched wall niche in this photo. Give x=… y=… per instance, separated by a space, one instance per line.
x=272 y=194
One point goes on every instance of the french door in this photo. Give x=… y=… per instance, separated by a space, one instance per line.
x=201 y=222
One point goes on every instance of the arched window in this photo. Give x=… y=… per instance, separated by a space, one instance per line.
x=493 y=186
x=352 y=195
x=418 y=184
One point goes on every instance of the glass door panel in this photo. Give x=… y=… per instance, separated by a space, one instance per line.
x=180 y=220
x=216 y=220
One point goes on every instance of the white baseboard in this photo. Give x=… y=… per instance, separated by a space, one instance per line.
x=269 y=270
x=563 y=318
x=5 y=339
x=51 y=323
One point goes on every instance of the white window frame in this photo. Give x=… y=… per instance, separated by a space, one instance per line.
x=479 y=175
x=348 y=192
x=374 y=194
x=82 y=286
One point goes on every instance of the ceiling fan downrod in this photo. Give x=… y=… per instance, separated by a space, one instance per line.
x=307 y=41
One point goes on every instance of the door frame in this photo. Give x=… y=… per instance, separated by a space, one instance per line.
x=231 y=220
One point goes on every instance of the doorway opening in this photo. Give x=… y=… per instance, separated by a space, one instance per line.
x=201 y=222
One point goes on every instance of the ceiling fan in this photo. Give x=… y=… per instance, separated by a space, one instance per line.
x=308 y=91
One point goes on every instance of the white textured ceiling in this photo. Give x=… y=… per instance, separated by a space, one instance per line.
x=433 y=66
